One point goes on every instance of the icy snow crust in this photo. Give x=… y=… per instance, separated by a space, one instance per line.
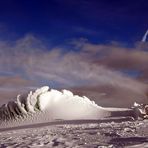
x=46 y=105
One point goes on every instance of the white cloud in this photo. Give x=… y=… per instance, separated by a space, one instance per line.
x=28 y=58
x=145 y=36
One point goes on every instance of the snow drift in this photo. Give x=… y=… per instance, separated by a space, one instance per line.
x=46 y=105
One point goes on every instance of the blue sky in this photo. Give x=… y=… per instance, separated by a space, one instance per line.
x=56 y=21
x=93 y=46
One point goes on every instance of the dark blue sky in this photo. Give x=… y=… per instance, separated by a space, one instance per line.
x=56 y=21
x=74 y=44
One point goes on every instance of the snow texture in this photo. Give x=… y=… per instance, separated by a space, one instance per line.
x=46 y=105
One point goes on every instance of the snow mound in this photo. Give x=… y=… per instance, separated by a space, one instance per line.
x=44 y=105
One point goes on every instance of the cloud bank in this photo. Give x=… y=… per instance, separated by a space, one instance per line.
x=93 y=67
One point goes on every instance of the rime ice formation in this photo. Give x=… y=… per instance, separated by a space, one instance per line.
x=46 y=105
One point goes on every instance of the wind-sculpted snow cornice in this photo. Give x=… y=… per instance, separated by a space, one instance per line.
x=44 y=105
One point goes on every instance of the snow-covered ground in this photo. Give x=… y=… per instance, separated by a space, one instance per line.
x=46 y=105
x=102 y=135
x=50 y=118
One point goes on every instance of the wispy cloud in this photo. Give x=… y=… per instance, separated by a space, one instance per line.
x=91 y=67
x=145 y=36
x=117 y=56
x=70 y=68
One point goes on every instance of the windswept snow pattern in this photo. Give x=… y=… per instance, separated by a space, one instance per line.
x=46 y=105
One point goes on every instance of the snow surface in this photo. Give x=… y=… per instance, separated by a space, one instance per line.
x=19 y=128
x=87 y=135
x=44 y=105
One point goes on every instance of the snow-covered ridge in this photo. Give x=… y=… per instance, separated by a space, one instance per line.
x=47 y=105
x=44 y=105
